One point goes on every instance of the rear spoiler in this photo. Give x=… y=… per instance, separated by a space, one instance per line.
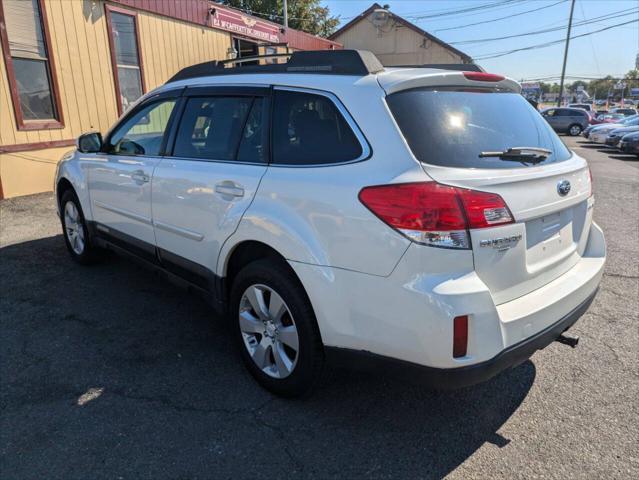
x=459 y=67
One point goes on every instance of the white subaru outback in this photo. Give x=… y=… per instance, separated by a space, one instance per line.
x=423 y=218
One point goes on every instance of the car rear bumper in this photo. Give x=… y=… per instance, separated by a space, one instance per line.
x=409 y=314
x=449 y=378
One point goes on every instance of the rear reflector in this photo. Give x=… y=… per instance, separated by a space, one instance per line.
x=434 y=214
x=460 y=336
x=483 y=77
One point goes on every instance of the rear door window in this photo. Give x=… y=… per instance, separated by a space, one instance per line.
x=221 y=128
x=308 y=129
x=451 y=127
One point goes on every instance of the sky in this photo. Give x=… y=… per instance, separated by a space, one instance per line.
x=612 y=52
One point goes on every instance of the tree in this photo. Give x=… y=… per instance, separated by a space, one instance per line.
x=306 y=15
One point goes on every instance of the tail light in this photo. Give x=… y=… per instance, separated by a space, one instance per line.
x=433 y=214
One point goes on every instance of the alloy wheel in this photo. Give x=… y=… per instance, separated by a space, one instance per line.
x=73 y=228
x=269 y=331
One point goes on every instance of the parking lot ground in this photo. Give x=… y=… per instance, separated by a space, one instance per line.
x=112 y=372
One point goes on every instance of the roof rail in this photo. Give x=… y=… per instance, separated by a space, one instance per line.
x=331 y=62
x=460 y=67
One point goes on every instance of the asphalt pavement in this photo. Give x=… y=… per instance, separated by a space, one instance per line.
x=112 y=372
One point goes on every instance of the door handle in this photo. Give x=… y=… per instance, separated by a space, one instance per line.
x=140 y=177
x=229 y=189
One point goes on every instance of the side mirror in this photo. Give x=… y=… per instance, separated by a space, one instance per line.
x=89 y=142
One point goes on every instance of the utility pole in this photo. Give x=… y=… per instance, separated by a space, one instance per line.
x=285 y=14
x=563 y=69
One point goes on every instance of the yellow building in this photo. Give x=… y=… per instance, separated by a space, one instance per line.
x=72 y=66
x=395 y=40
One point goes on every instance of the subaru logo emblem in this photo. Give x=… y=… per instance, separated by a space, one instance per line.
x=563 y=188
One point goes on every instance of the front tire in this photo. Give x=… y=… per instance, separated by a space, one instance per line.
x=75 y=231
x=575 y=130
x=275 y=328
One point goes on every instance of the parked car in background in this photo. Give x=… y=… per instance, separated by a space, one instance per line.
x=331 y=207
x=572 y=121
x=614 y=137
x=630 y=143
x=585 y=106
x=625 y=111
x=598 y=133
x=607 y=118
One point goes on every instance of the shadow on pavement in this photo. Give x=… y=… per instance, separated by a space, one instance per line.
x=629 y=157
x=176 y=402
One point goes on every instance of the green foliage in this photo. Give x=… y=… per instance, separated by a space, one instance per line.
x=306 y=15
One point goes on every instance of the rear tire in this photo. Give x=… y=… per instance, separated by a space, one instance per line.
x=574 y=130
x=75 y=231
x=276 y=329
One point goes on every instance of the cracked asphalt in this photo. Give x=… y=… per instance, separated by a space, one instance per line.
x=112 y=372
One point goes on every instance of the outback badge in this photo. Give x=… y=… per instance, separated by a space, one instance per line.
x=563 y=188
x=501 y=243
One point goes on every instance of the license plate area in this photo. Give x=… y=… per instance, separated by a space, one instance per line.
x=549 y=237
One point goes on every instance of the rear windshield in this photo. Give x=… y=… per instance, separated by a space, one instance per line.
x=451 y=127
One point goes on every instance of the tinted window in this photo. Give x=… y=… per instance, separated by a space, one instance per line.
x=451 y=128
x=142 y=132
x=254 y=135
x=212 y=127
x=575 y=113
x=309 y=129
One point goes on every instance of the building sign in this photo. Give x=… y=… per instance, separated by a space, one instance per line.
x=530 y=89
x=236 y=22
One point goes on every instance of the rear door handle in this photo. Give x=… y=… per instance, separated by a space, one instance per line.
x=140 y=177
x=229 y=189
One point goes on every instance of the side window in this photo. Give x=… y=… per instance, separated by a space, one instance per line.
x=142 y=133
x=254 y=134
x=212 y=128
x=308 y=129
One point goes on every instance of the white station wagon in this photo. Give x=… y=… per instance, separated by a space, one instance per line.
x=426 y=219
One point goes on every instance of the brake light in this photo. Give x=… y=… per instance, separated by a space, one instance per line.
x=460 y=336
x=433 y=214
x=483 y=77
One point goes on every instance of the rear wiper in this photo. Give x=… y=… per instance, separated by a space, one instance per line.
x=520 y=154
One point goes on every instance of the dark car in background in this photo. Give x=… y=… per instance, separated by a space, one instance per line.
x=615 y=136
x=567 y=120
x=630 y=143
x=625 y=111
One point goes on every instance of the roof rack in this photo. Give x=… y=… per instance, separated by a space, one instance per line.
x=331 y=62
x=459 y=67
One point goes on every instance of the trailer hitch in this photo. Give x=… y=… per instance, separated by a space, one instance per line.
x=566 y=339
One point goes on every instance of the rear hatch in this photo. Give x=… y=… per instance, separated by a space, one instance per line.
x=457 y=133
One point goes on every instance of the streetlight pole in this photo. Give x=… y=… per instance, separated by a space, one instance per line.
x=285 y=14
x=563 y=69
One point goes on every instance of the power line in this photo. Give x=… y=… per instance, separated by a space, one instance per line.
x=486 y=6
x=548 y=44
x=609 y=16
x=459 y=27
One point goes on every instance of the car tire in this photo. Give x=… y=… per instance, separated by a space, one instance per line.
x=574 y=130
x=276 y=329
x=75 y=231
